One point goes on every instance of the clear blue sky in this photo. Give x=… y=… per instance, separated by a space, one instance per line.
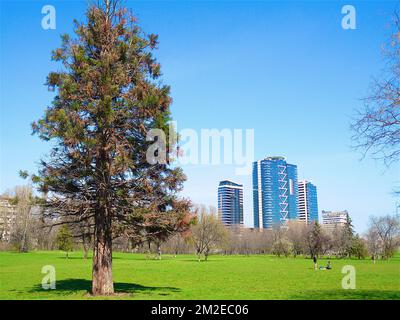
x=286 y=69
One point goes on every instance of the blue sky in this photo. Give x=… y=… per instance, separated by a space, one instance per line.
x=286 y=69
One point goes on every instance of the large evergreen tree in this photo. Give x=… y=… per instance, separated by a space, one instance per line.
x=108 y=98
x=64 y=240
x=348 y=237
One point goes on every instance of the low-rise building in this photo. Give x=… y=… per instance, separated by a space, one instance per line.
x=330 y=219
x=7 y=218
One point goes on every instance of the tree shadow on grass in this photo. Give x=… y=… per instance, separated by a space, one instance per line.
x=341 y=294
x=194 y=259
x=74 y=258
x=74 y=286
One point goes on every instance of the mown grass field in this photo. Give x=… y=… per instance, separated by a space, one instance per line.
x=183 y=277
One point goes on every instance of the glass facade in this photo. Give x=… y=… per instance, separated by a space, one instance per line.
x=230 y=202
x=312 y=202
x=275 y=192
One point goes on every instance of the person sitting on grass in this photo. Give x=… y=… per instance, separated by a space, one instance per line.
x=329 y=266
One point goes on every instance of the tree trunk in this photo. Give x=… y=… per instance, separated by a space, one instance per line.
x=149 y=247
x=85 y=245
x=158 y=250
x=85 y=252
x=24 y=247
x=102 y=282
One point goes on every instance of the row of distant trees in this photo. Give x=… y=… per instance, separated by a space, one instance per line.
x=381 y=241
x=202 y=233
x=35 y=226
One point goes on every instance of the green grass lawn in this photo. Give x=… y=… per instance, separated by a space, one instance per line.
x=222 y=277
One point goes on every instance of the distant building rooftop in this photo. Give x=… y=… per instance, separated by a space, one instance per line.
x=275 y=158
x=229 y=183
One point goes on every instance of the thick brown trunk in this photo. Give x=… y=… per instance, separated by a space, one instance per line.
x=102 y=282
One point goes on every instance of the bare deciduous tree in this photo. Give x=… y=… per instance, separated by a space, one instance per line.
x=377 y=127
x=296 y=235
x=208 y=233
x=388 y=230
x=178 y=244
x=374 y=243
x=280 y=242
x=23 y=228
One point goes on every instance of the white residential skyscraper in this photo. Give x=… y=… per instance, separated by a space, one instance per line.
x=308 y=204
